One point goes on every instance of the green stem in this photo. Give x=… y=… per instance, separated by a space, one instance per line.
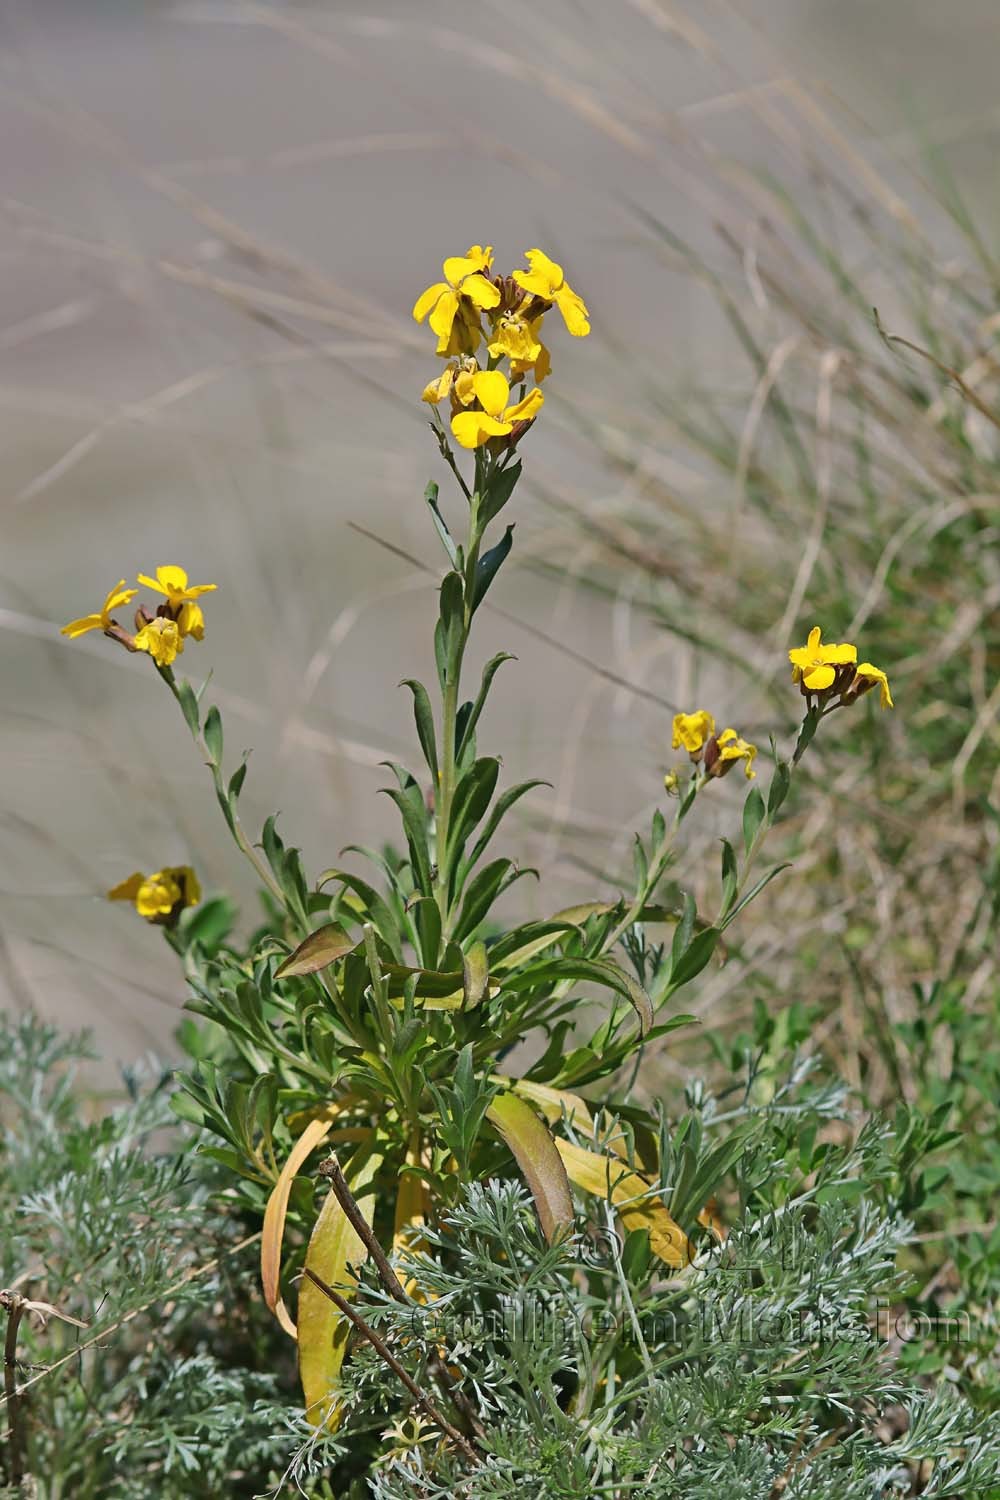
x=449 y=706
x=235 y=826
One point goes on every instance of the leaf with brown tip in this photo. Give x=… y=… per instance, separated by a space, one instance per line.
x=534 y=1150
x=274 y=1219
x=320 y=949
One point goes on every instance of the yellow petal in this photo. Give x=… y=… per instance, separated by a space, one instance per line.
x=465 y=390
x=118 y=596
x=574 y=311
x=543 y=279
x=457 y=267
x=81 y=626
x=188 y=882
x=493 y=392
x=444 y=312
x=480 y=292
x=428 y=299
x=157 y=896
x=526 y=409
x=692 y=730
x=162 y=639
x=819 y=678
x=840 y=656
x=172 y=580
x=474 y=428
x=191 y=621
x=128 y=889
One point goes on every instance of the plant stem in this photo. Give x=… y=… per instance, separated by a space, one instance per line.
x=14 y=1304
x=449 y=706
x=233 y=820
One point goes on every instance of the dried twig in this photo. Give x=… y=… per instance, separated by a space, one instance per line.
x=385 y=1354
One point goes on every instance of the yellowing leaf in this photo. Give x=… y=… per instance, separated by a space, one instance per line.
x=534 y=1150
x=320 y=949
x=411 y=1215
x=323 y=1330
x=475 y=968
x=551 y=1101
x=274 y=1218
x=638 y=1206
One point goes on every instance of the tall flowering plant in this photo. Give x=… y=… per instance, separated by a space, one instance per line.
x=372 y=1017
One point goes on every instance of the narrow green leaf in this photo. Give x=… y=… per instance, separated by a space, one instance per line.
x=500 y=808
x=489 y=565
x=440 y=526
x=471 y=717
x=500 y=490
x=730 y=875
x=472 y=798
x=753 y=816
x=450 y=625
x=189 y=706
x=756 y=890
x=694 y=958
x=236 y=781
x=423 y=715
x=778 y=789
x=213 y=735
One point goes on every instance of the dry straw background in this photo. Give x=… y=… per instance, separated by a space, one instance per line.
x=216 y=217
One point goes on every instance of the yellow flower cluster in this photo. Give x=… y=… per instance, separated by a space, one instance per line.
x=719 y=753
x=160 y=897
x=162 y=635
x=515 y=307
x=824 y=672
x=828 y=671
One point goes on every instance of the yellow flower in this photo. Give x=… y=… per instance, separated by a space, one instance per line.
x=867 y=677
x=160 y=896
x=455 y=381
x=540 y=367
x=453 y=300
x=191 y=621
x=172 y=582
x=117 y=597
x=692 y=730
x=733 y=748
x=473 y=428
x=163 y=640
x=545 y=279
x=517 y=338
x=814 y=665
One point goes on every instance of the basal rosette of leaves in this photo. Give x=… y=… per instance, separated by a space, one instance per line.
x=371 y=1016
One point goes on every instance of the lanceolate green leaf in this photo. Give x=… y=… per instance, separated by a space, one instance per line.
x=500 y=808
x=472 y=718
x=424 y=716
x=601 y=971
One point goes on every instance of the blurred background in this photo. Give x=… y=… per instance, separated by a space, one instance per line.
x=216 y=219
